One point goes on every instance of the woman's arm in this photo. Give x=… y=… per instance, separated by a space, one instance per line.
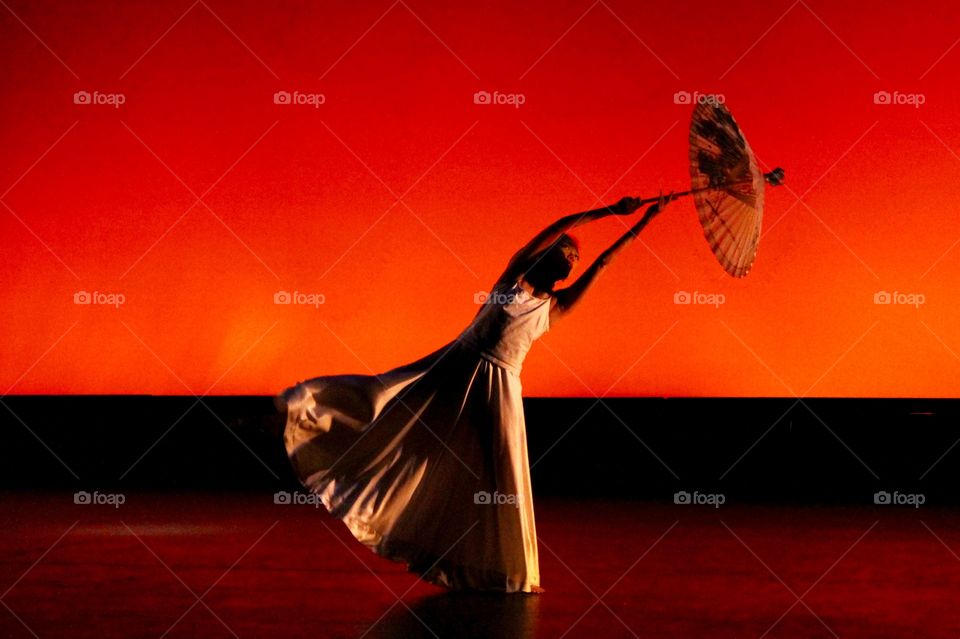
x=518 y=263
x=568 y=297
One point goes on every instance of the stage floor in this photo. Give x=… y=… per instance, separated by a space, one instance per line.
x=238 y=565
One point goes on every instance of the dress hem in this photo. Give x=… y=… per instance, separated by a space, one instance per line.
x=435 y=571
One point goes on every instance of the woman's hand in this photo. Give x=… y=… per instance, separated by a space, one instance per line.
x=625 y=206
x=661 y=204
x=653 y=211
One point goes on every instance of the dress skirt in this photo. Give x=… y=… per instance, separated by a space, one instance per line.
x=426 y=464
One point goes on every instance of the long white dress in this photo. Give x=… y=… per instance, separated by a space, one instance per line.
x=427 y=463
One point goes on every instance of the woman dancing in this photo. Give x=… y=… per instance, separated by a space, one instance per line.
x=427 y=463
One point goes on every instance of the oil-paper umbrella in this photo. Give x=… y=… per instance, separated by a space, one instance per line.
x=727 y=186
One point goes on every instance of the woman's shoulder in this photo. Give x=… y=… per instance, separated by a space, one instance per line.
x=507 y=284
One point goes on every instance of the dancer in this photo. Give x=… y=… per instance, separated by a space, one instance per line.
x=427 y=463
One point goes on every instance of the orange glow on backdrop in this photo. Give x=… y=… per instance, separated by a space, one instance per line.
x=301 y=197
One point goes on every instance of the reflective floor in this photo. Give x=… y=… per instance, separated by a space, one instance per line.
x=189 y=565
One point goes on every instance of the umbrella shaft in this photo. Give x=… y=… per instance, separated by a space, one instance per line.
x=773 y=178
x=651 y=200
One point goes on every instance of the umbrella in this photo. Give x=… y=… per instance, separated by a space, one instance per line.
x=727 y=186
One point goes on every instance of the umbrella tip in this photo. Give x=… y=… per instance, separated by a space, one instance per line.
x=774 y=177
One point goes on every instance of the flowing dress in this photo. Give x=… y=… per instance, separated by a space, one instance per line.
x=427 y=463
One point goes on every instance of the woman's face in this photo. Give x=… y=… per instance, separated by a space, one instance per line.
x=571 y=254
x=555 y=265
x=567 y=258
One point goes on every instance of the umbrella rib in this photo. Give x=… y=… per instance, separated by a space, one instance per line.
x=751 y=234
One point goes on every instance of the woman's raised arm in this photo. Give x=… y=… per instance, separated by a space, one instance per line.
x=545 y=238
x=568 y=297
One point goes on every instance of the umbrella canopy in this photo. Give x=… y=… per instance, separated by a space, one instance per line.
x=727 y=187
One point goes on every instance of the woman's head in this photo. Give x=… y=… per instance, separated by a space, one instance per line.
x=555 y=263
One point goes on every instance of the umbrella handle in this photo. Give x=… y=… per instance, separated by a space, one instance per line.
x=773 y=178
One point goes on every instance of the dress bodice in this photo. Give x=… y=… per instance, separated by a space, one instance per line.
x=505 y=328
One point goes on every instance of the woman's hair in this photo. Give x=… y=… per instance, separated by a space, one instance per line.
x=565 y=239
x=543 y=266
x=568 y=239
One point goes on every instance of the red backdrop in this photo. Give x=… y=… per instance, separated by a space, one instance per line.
x=303 y=197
